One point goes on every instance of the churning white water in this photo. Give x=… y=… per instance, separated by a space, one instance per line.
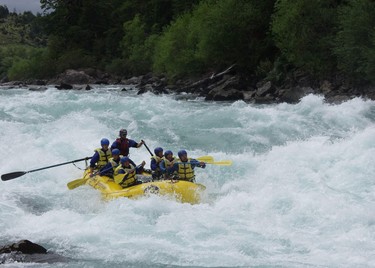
x=300 y=192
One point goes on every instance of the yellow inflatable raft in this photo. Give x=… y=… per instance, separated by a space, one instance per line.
x=183 y=191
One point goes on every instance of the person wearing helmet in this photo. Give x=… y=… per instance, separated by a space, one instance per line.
x=123 y=143
x=155 y=162
x=185 y=167
x=125 y=173
x=166 y=165
x=101 y=156
x=113 y=163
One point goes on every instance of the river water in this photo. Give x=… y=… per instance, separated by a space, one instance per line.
x=300 y=192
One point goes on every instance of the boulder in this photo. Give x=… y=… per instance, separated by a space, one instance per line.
x=25 y=247
x=294 y=94
x=75 y=77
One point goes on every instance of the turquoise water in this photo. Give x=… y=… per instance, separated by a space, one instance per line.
x=300 y=192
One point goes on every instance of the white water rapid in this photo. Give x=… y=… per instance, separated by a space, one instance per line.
x=300 y=192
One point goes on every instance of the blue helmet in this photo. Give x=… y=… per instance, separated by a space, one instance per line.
x=167 y=153
x=181 y=153
x=104 y=141
x=124 y=159
x=158 y=150
x=115 y=152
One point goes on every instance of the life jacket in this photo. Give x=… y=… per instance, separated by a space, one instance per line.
x=157 y=173
x=127 y=179
x=108 y=171
x=158 y=160
x=103 y=157
x=124 y=146
x=114 y=163
x=186 y=171
x=168 y=164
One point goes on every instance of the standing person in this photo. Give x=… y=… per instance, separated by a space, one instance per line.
x=125 y=173
x=101 y=156
x=123 y=144
x=155 y=162
x=113 y=163
x=166 y=165
x=185 y=168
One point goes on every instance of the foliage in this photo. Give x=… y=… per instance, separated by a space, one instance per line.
x=215 y=35
x=186 y=38
x=174 y=53
x=303 y=30
x=74 y=59
x=355 y=40
x=24 y=62
x=21 y=29
x=137 y=47
x=4 y=12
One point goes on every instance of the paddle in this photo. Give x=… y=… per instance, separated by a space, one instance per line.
x=79 y=182
x=13 y=175
x=219 y=163
x=82 y=181
x=206 y=158
x=148 y=149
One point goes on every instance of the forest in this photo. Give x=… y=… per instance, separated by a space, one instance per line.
x=266 y=39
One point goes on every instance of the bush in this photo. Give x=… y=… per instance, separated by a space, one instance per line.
x=116 y=66
x=35 y=66
x=175 y=50
x=74 y=59
x=355 y=40
x=215 y=35
x=137 y=47
x=304 y=30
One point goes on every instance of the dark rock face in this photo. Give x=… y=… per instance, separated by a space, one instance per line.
x=24 y=246
x=27 y=251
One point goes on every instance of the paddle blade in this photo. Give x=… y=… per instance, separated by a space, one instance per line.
x=76 y=183
x=206 y=158
x=13 y=175
x=221 y=163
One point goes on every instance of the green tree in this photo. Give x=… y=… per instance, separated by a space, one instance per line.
x=355 y=40
x=175 y=50
x=303 y=30
x=215 y=35
x=23 y=62
x=4 y=12
x=138 y=46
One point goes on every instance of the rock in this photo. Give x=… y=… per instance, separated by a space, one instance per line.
x=264 y=99
x=249 y=95
x=265 y=89
x=38 y=88
x=25 y=247
x=64 y=86
x=326 y=87
x=294 y=94
x=337 y=99
x=226 y=89
x=75 y=77
x=132 y=81
x=27 y=251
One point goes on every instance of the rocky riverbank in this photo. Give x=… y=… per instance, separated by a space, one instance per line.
x=223 y=86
